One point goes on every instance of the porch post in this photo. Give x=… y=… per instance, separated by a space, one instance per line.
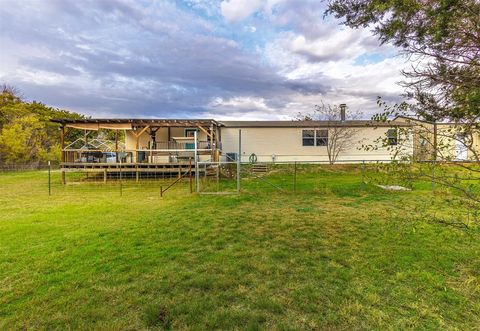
x=212 y=150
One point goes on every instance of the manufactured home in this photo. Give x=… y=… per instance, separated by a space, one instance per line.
x=172 y=145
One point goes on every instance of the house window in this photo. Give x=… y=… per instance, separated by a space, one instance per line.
x=190 y=132
x=308 y=137
x=392 y=137
x=321 y=137
x=314 y=137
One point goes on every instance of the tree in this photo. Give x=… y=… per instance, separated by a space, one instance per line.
x=26 y=133
x=340 y=136
x=21 y=140
x=441 y=38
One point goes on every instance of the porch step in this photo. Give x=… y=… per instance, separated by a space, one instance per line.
x=259 y=168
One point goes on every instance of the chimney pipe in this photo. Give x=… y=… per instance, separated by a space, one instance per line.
x=343 y=108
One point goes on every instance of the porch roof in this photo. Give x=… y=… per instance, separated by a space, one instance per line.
x=132 y=123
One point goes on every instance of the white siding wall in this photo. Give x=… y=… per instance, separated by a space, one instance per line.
x=286 y=145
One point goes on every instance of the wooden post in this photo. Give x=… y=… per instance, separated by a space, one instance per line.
x=212 y=150
x=104 y=176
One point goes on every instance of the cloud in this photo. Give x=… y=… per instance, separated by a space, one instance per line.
x=237 y=10
x=191 y=58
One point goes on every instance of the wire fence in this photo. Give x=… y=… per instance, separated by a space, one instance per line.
x=249 y=178
x=300 y=177
x=447 y=192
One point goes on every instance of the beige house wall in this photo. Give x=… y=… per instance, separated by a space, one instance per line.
x=285 y=144
x=447 y=144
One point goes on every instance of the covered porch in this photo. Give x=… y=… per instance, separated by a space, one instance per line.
x=139 y=145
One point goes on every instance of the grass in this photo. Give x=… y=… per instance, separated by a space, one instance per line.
x=330 y=256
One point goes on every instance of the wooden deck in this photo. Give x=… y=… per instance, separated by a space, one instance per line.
x=129 y=170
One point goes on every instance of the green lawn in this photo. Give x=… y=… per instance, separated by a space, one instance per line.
x=334 y=255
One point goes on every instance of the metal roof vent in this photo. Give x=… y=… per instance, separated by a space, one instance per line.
x=343 y=109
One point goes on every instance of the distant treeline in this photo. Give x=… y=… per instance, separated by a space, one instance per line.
x=26 y=134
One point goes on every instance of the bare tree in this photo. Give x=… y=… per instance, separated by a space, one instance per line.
x=339 y=135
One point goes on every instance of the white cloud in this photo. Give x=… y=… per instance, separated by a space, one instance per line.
x=237 y=10
x=250 y=28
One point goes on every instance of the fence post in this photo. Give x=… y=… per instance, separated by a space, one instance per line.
x=190 y=174
x=239 y=159
x=121 y=193
x=363 y=175
x=49 y=178
x=197 y=187
x=218 y=176
x=295 y=177
x=433 y=176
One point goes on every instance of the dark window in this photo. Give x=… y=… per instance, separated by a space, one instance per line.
x=322 y=137
x=315 y=137
x=392 y=137
x=190 y=132
x=308 y=137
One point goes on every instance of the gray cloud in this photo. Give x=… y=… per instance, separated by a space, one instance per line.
x=119 y=58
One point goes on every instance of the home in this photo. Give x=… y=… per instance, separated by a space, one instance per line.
x=173 y=145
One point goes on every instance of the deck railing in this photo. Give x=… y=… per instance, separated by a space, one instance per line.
x=164 y=152
x=180 y=145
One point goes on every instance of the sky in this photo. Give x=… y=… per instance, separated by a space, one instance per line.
x=231 y=59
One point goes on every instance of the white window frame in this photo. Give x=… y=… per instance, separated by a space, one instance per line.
x=315 y=137
x=392 y=140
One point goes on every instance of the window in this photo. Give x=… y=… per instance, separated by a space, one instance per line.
x=322 y=137
x=314 y=137
x=190 y=132
x=308 y=137
x=392 y=137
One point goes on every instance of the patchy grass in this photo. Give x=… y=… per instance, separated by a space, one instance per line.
x=88 y=258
